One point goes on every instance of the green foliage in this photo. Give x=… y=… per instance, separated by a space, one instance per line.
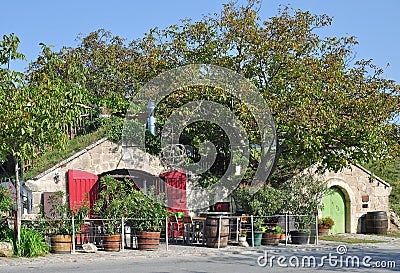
x=110 y=75
x=266 y=201
x=52 y=157
x=299 y=196
x=6 y=233
x=113 y=126
x=60 y=220
x=6 y=200
x=343 y=239
x=389 y=170
x=151 y=213
x=119 y=199
x=115 y=201
x=303 y=194
x=326 y=221
x=274 y=230
x=32 y=244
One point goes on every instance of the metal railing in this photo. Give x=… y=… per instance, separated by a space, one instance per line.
x=93 y=230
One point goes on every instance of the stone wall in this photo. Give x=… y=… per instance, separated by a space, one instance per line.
x=98 y=158
x=364 y=192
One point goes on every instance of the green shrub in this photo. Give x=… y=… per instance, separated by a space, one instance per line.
x=326 y=221
x=6 y=200
x=32 y=244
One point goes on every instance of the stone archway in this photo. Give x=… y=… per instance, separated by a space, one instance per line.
x=348 y=207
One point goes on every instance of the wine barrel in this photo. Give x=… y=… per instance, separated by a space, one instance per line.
x=212 y=228
x=148 y=240
x=270 y=239
x=376 y=222
x=112 y=242
x=61 y=243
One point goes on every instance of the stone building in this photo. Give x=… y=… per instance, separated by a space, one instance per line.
x=355 y=190
x=98 y=158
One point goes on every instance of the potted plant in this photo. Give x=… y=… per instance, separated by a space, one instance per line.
x=302 y=195
x=324 y=225
x=258 y=224
x=266 y=201
x=114 y=203
x=242 y=237
x=59 y=223
x=148 y=218
x=272 y=235
x=301 y=235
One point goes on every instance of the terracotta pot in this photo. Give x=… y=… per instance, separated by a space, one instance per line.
x=323 y=230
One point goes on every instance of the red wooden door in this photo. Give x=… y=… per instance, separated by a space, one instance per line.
x=175 y=190
x=82 y=186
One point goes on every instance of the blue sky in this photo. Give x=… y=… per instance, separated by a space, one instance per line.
x=374 y=23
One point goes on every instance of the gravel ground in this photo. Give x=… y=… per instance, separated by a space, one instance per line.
x=186 y=250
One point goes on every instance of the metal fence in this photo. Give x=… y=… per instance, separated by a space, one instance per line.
x=181 y=232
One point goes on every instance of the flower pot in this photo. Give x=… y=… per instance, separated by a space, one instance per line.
x=270 y=239
x=148 y=240
x=61 y=244
x=112 y=242
x=283 y=236
x=257 y=238
x=242 y=239
x=299 y=237
x=323 y=230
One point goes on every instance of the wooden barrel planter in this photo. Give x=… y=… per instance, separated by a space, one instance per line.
x=148 y=240
x=61 y=244
x=112 y=242
x=212 y=229
x=376 y=222
x=270 y=239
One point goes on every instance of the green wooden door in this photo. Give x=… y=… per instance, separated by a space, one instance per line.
x=334 y=206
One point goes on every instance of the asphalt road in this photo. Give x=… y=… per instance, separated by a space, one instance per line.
x=283 y=260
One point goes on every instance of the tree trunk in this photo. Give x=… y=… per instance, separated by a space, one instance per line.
x=18 y=200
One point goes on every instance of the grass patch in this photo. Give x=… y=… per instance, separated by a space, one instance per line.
x=392 y=235
x=349 y=240
x=51 y=158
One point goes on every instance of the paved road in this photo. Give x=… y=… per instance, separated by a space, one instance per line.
x=246 y=262
x=179 y=259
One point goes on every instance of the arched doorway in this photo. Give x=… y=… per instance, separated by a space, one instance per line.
x=334 y=206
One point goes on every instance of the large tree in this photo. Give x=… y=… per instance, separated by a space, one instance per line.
x=328 y=107
x=34 y=113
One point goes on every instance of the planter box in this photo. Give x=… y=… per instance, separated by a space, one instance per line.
x=299 y=237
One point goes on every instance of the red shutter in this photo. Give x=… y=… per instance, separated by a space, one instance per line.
x=82 y=186
x=176 y=190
